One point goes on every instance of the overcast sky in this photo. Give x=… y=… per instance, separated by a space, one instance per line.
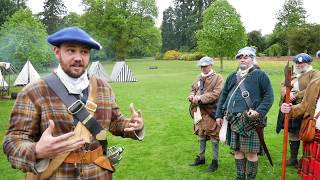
x=255 y=14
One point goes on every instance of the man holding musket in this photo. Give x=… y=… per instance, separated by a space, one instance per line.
x=245 y=100
x=58 y=124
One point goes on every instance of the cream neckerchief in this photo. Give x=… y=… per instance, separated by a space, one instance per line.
x=73 y=85
x=208 y=74
x=244 y=72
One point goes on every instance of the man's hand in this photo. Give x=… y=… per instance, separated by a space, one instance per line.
x=219 y=121
x=136 y=122
x=49 y=146
x=196 y=99
x=285 y=108
x=190 y=98
x=292 y=97
x=252 y=113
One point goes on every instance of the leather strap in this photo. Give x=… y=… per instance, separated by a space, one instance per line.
x=74 y=105
x=84 y=157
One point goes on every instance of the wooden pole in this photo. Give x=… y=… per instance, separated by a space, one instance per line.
x=286 y=122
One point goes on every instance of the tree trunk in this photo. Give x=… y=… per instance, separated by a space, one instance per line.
x=221 y=64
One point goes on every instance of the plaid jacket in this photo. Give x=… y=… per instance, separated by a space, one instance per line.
x=33 y=109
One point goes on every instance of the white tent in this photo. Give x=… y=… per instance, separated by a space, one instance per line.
x=27 y=75
x=97 y=70
x=122 y=73
x=3 y=83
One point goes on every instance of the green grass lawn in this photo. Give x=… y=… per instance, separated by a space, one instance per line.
x=169 y=145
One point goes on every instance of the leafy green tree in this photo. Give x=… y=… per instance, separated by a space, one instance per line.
x=9 y=7
x=24 y=38
x=72 y=19
x=256 y=39
x=123 y=26
x=54 y=10
x=169 y=40
x=305 y=39
x=274 y=50
x=291 y=15
x=223 y=33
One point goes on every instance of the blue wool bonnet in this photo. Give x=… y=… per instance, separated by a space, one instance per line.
x=247 y=51
x=302 y=58
x=73 y=35
x=205 y=61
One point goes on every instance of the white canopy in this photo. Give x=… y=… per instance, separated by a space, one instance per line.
x=27 y=75
x=98 y=71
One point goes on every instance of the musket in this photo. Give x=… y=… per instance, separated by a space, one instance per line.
x=287 y=83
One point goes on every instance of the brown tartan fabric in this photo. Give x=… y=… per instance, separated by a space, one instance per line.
x=213 y=84
x=33 y=109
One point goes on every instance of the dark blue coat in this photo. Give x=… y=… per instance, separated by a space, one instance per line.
x=257 y=84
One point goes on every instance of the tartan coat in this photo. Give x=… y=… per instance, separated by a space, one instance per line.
x=213 y=84
x=33 y=109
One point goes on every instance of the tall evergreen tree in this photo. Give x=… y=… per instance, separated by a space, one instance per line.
x=169 y=40
x=54 y=10
x=256 y=39
x=188 y=15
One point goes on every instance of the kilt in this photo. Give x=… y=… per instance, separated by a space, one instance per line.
x=241 y=136
x=310 y=161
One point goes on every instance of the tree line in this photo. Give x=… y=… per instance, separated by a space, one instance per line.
x=126 y=28
x=195 y=21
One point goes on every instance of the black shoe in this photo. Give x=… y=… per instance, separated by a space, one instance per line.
x=213 y=166
x=198 y=161
x=292 y=162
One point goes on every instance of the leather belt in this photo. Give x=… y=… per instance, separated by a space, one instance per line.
x=84 y=157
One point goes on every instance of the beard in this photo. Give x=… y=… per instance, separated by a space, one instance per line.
x=243 y=66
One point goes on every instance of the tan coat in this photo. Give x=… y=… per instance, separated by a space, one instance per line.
x=213 y=84
x=308 y=105
x=303 y=82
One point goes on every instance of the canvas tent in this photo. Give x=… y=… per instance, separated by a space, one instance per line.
x=3 y=83
x=5 y=70
x=97 y=70
x=122 y=73
x=27 y=75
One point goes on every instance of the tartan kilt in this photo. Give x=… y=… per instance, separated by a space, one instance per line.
x=239 y=140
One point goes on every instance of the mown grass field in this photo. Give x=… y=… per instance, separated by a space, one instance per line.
x=169 y=145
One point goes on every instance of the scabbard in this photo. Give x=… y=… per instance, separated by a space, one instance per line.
x=264 y=146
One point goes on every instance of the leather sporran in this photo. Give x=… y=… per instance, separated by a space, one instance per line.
x=308 y=129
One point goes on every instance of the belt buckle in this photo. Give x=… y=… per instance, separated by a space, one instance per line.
x=75 y=107
x=245 y=94
x=91 y=106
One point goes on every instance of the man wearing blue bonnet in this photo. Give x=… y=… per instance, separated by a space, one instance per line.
x=58 y=124
x=304 y=73
x=245 y=100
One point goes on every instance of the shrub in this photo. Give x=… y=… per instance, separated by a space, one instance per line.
x=172 y=55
